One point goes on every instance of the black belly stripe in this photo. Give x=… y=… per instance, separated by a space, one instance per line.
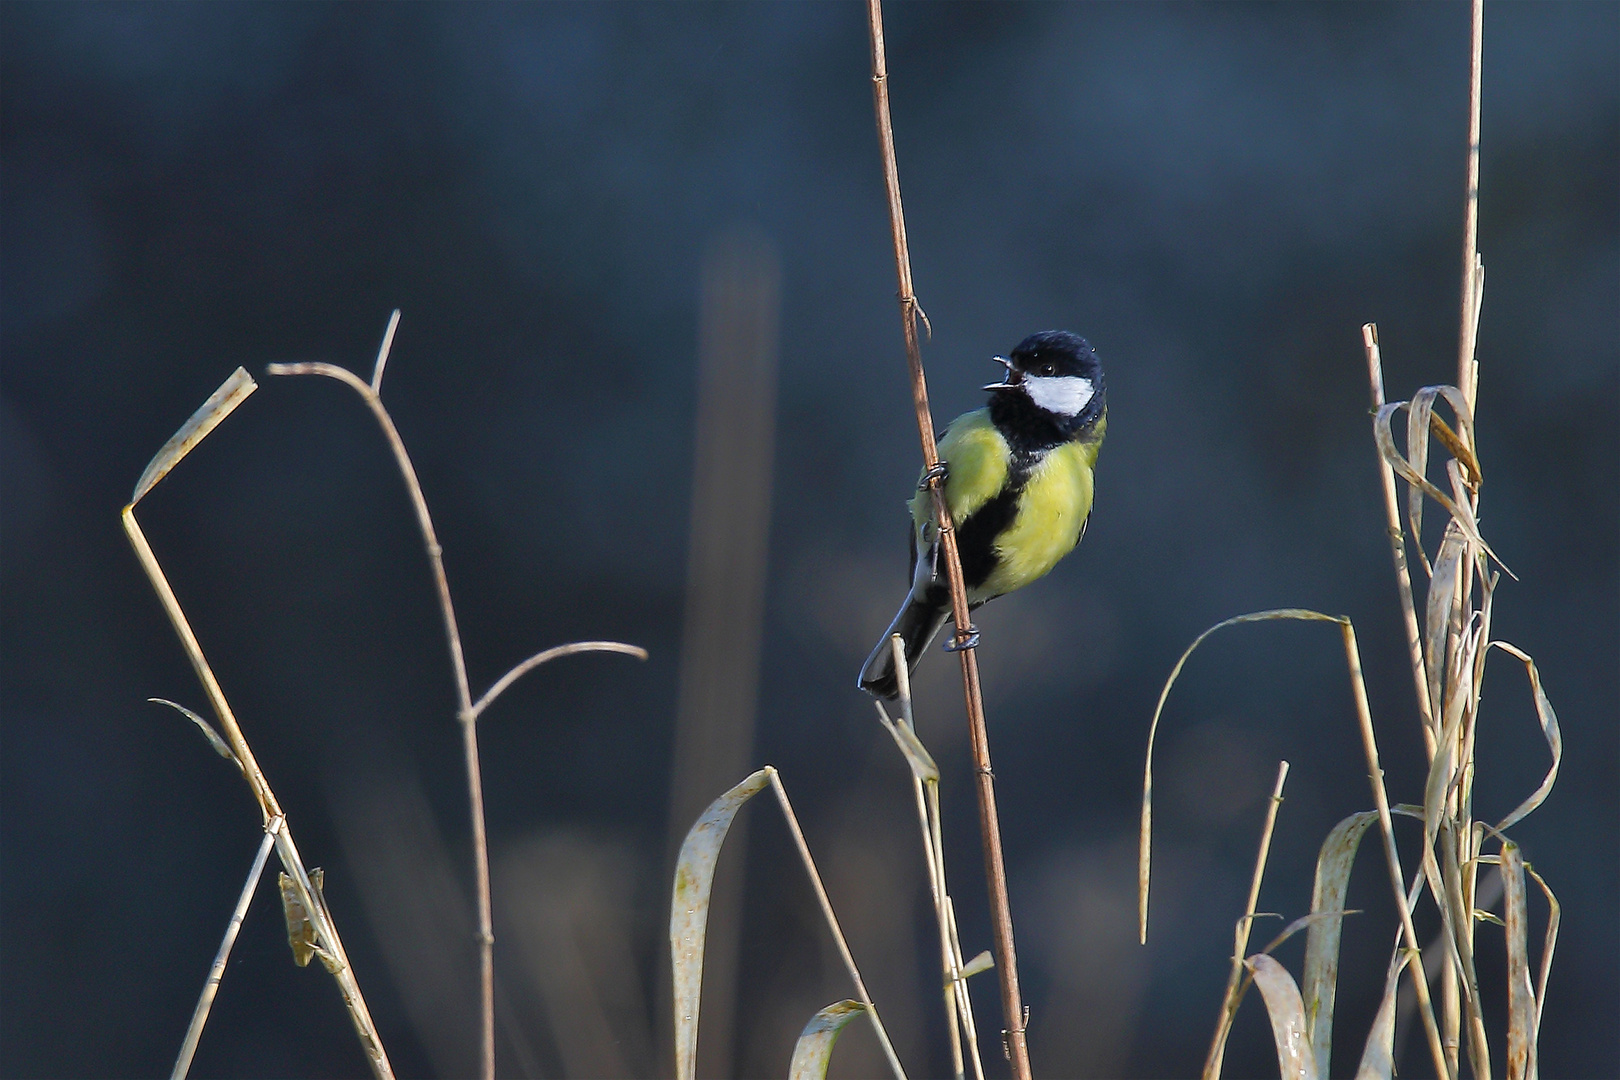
x=976 y=537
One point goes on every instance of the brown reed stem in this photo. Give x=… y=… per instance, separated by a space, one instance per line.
x=1012 y=1006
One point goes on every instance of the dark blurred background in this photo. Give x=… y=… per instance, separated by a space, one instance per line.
x=571 y=204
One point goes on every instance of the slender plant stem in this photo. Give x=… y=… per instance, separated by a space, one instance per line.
x=571 y=649
x=467 y=712
x=832 y=921
x=1240 y=935
x=1012 y=1007
x=1375 y=777
x=205 y=1001
x=958 y=1009
x=1397 y=549
x=1467 y=366
x=369 y=392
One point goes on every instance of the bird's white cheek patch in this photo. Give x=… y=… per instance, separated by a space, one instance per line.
x=1065 y=395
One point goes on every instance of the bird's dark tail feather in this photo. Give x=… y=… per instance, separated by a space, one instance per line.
x=918 y=624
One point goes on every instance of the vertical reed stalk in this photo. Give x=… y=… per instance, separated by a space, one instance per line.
x=1012 y=1006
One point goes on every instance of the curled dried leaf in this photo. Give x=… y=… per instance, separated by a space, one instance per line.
x=231 y=393
x=1333 y=865
x=1549 y=730
x=1287 y=1013
x=689 y=912
x=813 y=1051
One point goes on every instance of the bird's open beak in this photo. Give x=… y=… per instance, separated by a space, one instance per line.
x=1012 y=378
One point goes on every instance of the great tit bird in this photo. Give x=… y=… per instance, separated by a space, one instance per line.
x=1018 y=484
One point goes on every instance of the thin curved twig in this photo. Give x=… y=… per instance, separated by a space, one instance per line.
x=553 y=653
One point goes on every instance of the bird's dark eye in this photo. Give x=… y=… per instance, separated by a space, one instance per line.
x=1048 y=370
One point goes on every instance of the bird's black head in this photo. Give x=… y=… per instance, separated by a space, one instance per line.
x=1055 y=375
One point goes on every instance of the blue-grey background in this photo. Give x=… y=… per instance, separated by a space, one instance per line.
x=1218 y=196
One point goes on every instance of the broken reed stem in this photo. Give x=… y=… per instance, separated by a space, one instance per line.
x=832 y=921
x=1240 y=935
x=325 y=928
x=1397 y=548
x=1012 y=1006
x=370 y=393
x=205 y=1001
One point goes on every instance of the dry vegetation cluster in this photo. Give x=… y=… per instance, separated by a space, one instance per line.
x=1469 y=871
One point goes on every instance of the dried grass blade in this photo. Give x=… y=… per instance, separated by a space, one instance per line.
x=1547 y=946
x=1145 y=834
x=1333 y=866
x=1287 y=1013
x=1417 y=455
x=221 y=747
x=1521 y=1033
x=1549 y=729
x=689 y=912
x=1463 y=515
x=1440 y=609
x=979 y=964
x=231 y=393
x=1378 y=1057
x=916 y=754
x=813 y=1051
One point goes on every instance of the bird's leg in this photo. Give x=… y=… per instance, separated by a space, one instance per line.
x=932 y=477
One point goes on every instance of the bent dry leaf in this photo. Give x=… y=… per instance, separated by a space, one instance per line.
x=916 y=754
x=232 y=392
x=981 y=963
x=1461 y=514
x=1145 y=835
x=813 y=1051
x=1333 y=866
x=1287 y=1013
x=1549 y=730
x=1548 y=945
x=689 y=912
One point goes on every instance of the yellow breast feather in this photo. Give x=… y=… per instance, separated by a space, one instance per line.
x=975 y=454
x=1052 y=510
